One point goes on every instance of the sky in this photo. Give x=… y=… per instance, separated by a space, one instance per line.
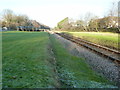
x=50 y=12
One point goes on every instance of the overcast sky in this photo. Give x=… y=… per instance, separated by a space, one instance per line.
x=50 y=12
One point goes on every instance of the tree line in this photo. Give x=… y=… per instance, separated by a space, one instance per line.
x=91 y=22
x=11 y=21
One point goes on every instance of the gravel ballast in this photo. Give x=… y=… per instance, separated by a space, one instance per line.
x=99 y=64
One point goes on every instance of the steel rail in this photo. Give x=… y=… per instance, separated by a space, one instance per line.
x=101 y=50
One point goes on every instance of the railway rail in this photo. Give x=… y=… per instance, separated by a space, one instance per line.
x=101 y=50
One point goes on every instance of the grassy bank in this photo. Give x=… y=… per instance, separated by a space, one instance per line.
x=102 y=38
x=74 y=71
x=26 y=63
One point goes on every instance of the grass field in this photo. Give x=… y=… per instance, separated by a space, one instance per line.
x=102 y=38
x=27 y=63
x=24 y=56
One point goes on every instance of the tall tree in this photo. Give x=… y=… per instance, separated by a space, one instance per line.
x=8 y=17
x=94 y=24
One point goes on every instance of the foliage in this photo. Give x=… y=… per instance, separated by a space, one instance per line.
x=12 y=21
x=109 y=24
x=63 y=24
x=90 y=22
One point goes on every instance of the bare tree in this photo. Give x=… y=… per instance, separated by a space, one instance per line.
x=112 y=19
x=80 y=25
x=94 y=24
x=113 y=11
x=21 y=20
x=8 y=17
x=11 y=21
x=88 y=16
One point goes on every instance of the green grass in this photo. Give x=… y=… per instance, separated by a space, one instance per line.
x=74 y=71
x=24 y=56
x=102 y=38
x=25 y=63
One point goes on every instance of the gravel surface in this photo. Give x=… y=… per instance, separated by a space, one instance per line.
x=99 y=64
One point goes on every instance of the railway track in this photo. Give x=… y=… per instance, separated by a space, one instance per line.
x=101 y=50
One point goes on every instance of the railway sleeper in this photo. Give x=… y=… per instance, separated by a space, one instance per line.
x=79 y=39
x=93 y=49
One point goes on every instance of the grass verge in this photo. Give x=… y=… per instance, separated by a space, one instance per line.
x=74 y=72
x=102 y=38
